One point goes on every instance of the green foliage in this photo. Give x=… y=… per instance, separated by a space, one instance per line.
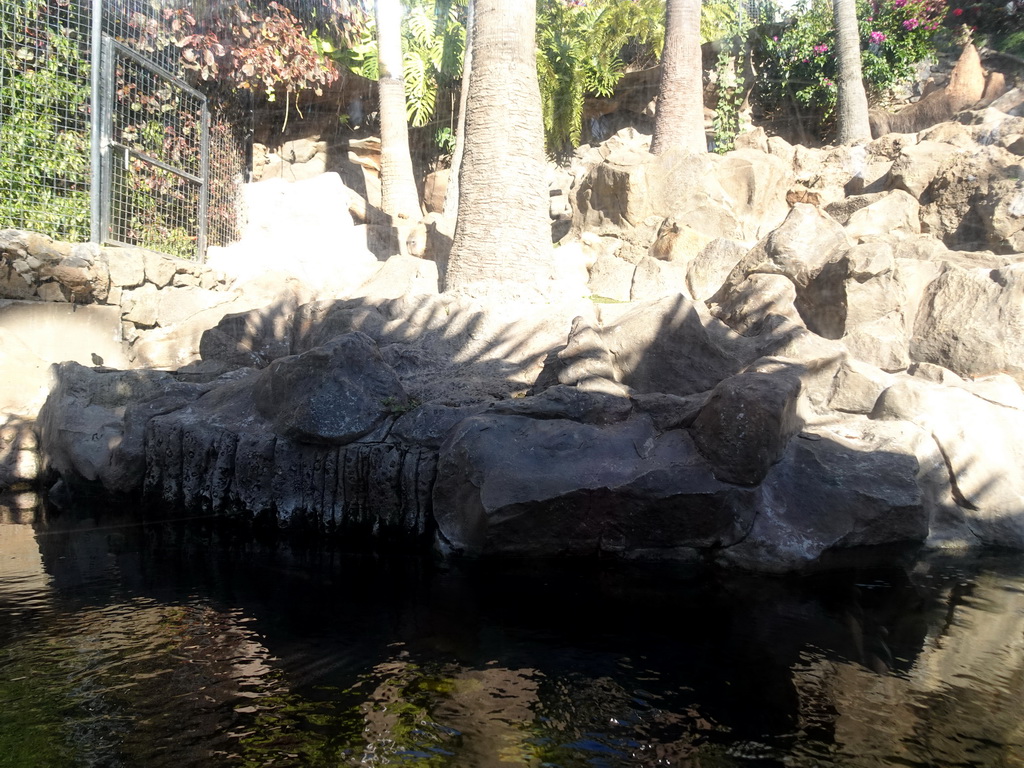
x=997 y=24
x=584 y=48
x=44 y=134
x=798 y=64
x=397 y=406
x=718 y=20
x=433 y=46
x=726 y=124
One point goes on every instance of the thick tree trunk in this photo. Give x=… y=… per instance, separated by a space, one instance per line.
x=399 y=198
x=852 y=104
x=451 y=197
x=502 y=238
x=679 y=121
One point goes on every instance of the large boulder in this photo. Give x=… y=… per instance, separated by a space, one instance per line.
x=706 y=273
x=92 y=424
x=976 y=201
x=917 y=164
x=746 y=424
x=643 y=350
x=972 y=321
x=799 y=249
x=331 y=394
x=834 y=491
x=219 y=456
x=512 y=484
x=977 y=430
x=897 y=212
x=631 y=193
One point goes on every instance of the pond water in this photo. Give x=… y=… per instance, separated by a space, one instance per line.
x=155 y=645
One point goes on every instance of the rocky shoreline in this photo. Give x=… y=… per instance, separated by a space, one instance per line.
x=756 y=359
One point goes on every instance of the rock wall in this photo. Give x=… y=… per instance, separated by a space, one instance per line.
x=755 y=359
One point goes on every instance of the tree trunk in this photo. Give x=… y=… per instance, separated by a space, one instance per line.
x=679 y=120
x=502 y=238
x=852 y=104
x=451 y=196
x=399 y=198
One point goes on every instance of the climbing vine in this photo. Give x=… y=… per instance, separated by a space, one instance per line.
x=44 y=131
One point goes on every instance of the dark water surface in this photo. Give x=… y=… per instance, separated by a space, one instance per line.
x=130 y=645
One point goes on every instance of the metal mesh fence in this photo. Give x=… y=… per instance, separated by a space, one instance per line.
x=229 y=123
x=155 y=162
x=44 y=117
x=158 y=155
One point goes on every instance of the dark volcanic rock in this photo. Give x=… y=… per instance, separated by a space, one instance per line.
x=335 y=393
x=827 y=495
x=747 y=422
x=518 y=485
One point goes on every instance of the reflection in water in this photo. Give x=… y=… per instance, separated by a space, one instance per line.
x=129 y=645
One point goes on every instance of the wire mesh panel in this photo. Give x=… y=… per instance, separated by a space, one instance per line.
x=228 y=147
x=157 y=143
x=44 y=116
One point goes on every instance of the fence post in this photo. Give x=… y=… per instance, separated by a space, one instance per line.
x=95 y=123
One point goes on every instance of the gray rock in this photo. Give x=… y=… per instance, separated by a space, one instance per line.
x=570 y=403
x=980 y=443
x=746 y=423
x=897 y=212
x=799 y=249
x=331 y=394
x=400 y=276
x=429 y=424
x=857 y=387
x=645 y=344
x=968 y=196
x=85 y=435
x=127 y=267
x=916 y=166
x=882 y=342
x=670 y=411
x=253 y=338
x=712 y=266
x=760 y=303
x=141 y=306
x=830 y=493
x=19 y=453
x=655 y=279
x=611 y=277
x=160 y=269
x=523 y=486
x=972 y=322
x=203 y=459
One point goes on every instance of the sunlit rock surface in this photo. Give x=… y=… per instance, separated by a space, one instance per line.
x=785 y=352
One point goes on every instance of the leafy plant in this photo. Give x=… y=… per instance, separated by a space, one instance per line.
x=433 y=46
x=997 y=24
x=726 y=124
x=584 y=48
x=797 y=62
x=398 y=406
x=44 y=133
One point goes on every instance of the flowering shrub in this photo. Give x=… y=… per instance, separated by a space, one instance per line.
x=998 y=24
x=799 y=64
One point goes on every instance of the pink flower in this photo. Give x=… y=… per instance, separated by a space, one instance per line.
x=958 y=11
x=899 y=3
x=877 y=37
x=775 y=38
x=910 y=24
x=820 y=49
